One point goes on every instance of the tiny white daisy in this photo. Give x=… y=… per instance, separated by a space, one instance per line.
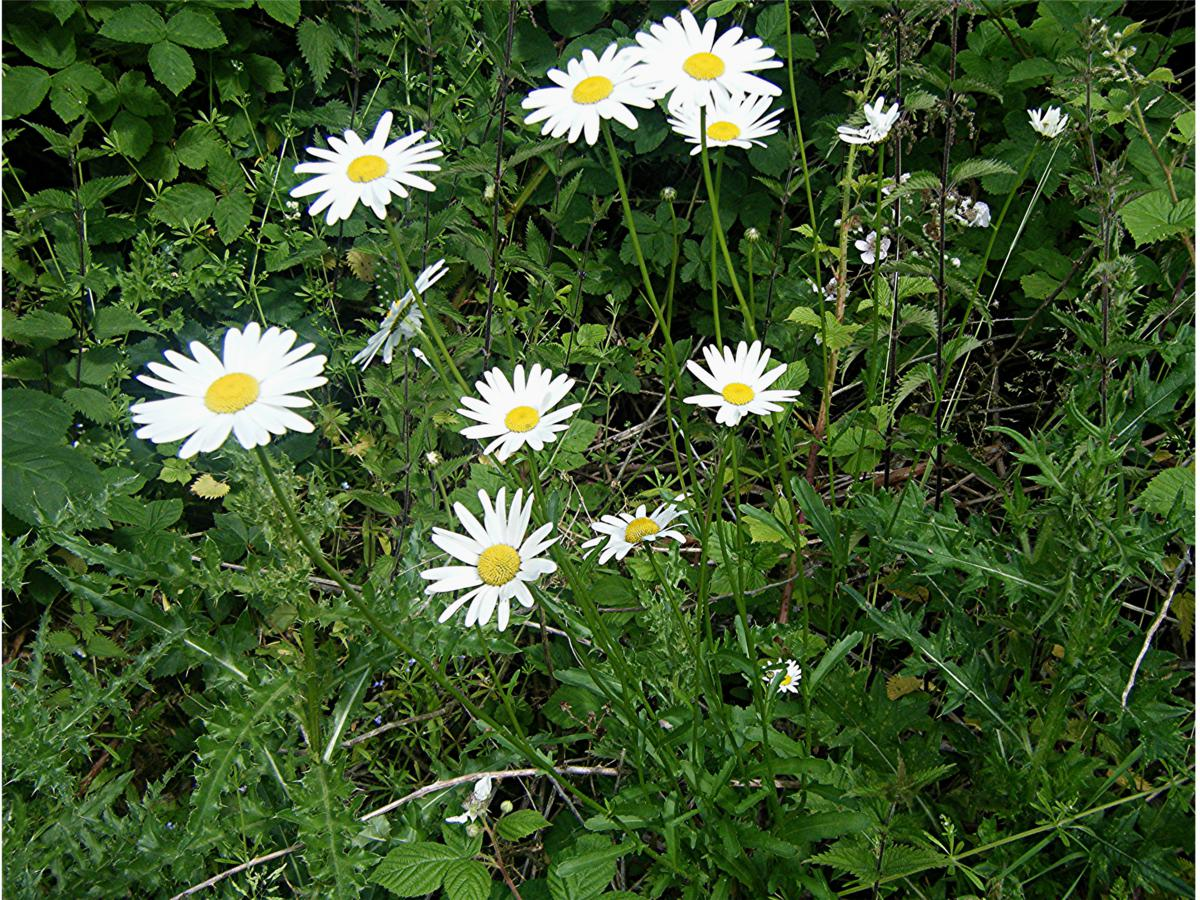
x=403 y=320
x=790 y=683
x=626 y=531
x=249 y=391
x=353 y=172
x=500 y=560
x=695 y=67
x=878 y=127
x=519 y=413
x=1049 y=124
x=740 y=381
x=475 y=805
x=590 y=90
x=871 y=247
x=730 y=121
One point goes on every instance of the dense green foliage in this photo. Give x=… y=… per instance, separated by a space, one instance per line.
x=963 y=530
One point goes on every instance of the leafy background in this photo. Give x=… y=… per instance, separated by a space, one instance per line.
x=967 y=631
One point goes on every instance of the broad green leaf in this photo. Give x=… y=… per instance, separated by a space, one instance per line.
x=286 y=12
x=38 y=326
x=195 y=28
x=184 y=204
x=24 y=88
x=138 y=23
x=1167 y=488
x=413 y=870
x=520 y=824
x=115 y=321
x=52 y=47
x=131 y=134
x=71 y=88
x=172 y=66
x=574 y=17
x=317 y=40
x=467 y=879
x=1153 y=217
x=979 y=168
x=232 y=215
x=89 y=401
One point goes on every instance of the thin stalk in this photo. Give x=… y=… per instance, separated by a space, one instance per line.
x=493 y=278
x=714 y=208
x=941 y=287
x=889 y=366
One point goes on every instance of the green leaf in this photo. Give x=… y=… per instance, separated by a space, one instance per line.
x=979 y=168
x=265 y=73
x=832 y=657
x=96 y=189
x=71 y=88
x=24 y=90
x=184 y=204
x=520 y=824
x=196 y=28
x=412 y=870
x=115 y=321
x=172 y=66
x=574 y=17
x=232 y=215
x=381 y=503
x=38 y=326
x=89 y=401
x=286 y=12
x=467 y=879
x=584 y=870
x=825 y=825
x=1167 y=488
x=53 y=48
x=131 y=134
x=1153 y=217
x=317 y=40
x=138 y=23
x=1034 y=69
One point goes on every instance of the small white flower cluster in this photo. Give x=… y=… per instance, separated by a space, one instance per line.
x=970 y=212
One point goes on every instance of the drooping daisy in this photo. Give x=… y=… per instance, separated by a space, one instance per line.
x=878 y=127
x=353 y=172
x=1049 y=124
x=499 y=560
x=403 y=320
x=250 y=391
x=871 y=247
x=519 y=413
x=695 y=67
x=790 y=683
x=590 y=90
x=730 y=121
x=626 y=531
x=740 y=381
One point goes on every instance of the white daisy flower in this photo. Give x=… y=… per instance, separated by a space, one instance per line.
x=740 y=384
x=626 y=531
x=590 y=90
x=519 y=413
x=500 y=560
x=871 y=247
x=352 y=172
x=790 y=683
x=878 y=127
x=403 y=320
x=249 y=391
x=475 y=805
x=730 y=121
x=695 y=67
x=1049 y=124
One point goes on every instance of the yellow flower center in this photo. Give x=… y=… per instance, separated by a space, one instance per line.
x=704 y=66
x=231 y=392
x=498 y=564
x=367 y=168
x=522 y=418
x=640 y=528
x=723 y=131
x=592 y=90
x=737 y=393
x=787 y=680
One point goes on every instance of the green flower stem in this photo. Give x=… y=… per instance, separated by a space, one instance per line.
x=987 y=254
x=720 y=233
x=812 y=207
x=430 y=321
x=355 y=598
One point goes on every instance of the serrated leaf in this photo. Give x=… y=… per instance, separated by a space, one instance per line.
x=172 y=65
x=194 y=28
x=38 y=325
x=208 y=488
x=138 y=23
x=131 y=134
x=89 y=401
x=413 y=870
x=184 y=204
x=71 y=88
x=94 y=190
x=362 y=264
x=1153 y=217
x=466 y=879
x=979 y=168
x=286 y=12
x=902 y=685
x=317 y=41
x=51 y=47
x=115 y=321
x=1185 y=612
x=1167 y=488
x=24 y=89
x=520 y=824
x=232 y=215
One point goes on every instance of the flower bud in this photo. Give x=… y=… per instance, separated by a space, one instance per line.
x=668 y=194
x=752 y=235
x=506 y=807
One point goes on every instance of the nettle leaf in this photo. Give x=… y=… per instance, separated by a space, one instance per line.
x=138 y=23
x=115 y=321
x=38 y=325
x=96 y=189
x=317 y=40
x=520 y=824
x=184 y=204
x=53 y=48
x=24 y=87
x=1167 y=488
x=979 y=168
x=196 y=28
x=413 y=870
x=1153 y=217
x=172 y=65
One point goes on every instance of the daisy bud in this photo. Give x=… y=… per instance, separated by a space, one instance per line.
x=433 y=458
x=668 y=194
x=752 y=235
